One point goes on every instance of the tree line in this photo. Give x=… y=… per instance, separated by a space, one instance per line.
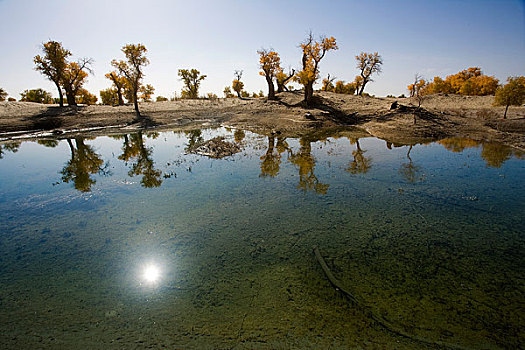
x=69 y=76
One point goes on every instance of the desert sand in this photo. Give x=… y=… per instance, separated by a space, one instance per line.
x=440 y=116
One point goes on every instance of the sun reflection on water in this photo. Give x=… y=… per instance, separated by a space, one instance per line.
x=151 y=273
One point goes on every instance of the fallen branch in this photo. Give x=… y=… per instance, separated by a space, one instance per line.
x=377 y=318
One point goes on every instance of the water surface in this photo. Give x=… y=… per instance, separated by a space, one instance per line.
x=130 y=242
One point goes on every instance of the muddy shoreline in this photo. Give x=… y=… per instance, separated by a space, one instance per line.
x=439 y=117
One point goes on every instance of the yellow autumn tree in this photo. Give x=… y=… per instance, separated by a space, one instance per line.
x=119 y=82
x=237 y=84
x=74 y=77
x=133 y=70
x=313 y=52
x=368 y=64
x=470 y=81
x=270 y=65
x=511 y=94
x=53 y=64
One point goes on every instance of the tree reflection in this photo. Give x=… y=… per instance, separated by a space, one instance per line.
x=306 y=163
x=83 y=163
x=48 y=143
x=458 y=144
x=495 y=154
x=9 y=147
x=360 y=164
x=410 y=171
x=271 y=160
x=194 y=138
x=135 y=151
x=238 y=135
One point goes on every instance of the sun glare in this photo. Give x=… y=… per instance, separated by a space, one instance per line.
x=151 y=274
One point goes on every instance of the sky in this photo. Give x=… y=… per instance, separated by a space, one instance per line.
x=432 y=38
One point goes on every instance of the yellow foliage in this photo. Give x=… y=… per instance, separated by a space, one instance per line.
x=471 y=82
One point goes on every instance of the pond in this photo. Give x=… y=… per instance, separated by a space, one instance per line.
x=152 y=240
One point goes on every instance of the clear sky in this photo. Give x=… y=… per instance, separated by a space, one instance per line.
x=430 y=37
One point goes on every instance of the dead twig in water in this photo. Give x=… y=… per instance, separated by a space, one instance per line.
x=379 y=319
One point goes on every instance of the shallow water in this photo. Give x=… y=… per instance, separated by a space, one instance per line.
x=129 y=242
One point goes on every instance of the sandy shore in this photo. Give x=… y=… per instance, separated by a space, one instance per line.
x=441 y=116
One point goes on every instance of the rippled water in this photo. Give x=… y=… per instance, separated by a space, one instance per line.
x=130 y=242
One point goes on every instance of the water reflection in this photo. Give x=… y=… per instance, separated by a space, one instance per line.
x=271 y=160
x=360 y=164
x=304 y=160
x=9 y=147
x=410 y=171
x=83 y=163
x=495 y=154
x=135 y=152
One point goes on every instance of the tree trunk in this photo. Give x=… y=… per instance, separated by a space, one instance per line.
x=362 y=88
x=308 y=93
x=70 y=95
x=239 y=94
x=136 y=103
x=120 y=99
x=271 y=89
x=505 y=115
x=60 y=95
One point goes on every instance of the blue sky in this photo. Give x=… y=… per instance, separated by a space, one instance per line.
x=218 y=37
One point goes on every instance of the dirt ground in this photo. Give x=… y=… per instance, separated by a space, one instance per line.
x=440 y=116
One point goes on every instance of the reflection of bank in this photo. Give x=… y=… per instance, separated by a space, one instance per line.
x=135 y=151
x=84 y=162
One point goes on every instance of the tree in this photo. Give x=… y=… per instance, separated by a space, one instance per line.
x=510 y=94
x=313 y=53
x=85 y=97
x=3 y=94
x=328 y=84
x=417 y=90
x=192 y=80
x=470 y=81
x=162 y=99
x=358 y=82
x=270 y=64
x=119 y=81
x=37 y=96
x=146 y=91
x=342 y=88
x=53 y=64
x=132 y=69
x=368 y=64
x=228 y=92
x=282 y=78
x=109 y=97
x=237 y=84
x=74 y=77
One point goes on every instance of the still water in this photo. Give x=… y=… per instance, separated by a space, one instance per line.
x=132 y=241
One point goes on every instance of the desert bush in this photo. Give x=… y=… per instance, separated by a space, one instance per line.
x=161 y=99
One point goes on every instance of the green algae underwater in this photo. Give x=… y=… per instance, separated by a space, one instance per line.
x=158 y=240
